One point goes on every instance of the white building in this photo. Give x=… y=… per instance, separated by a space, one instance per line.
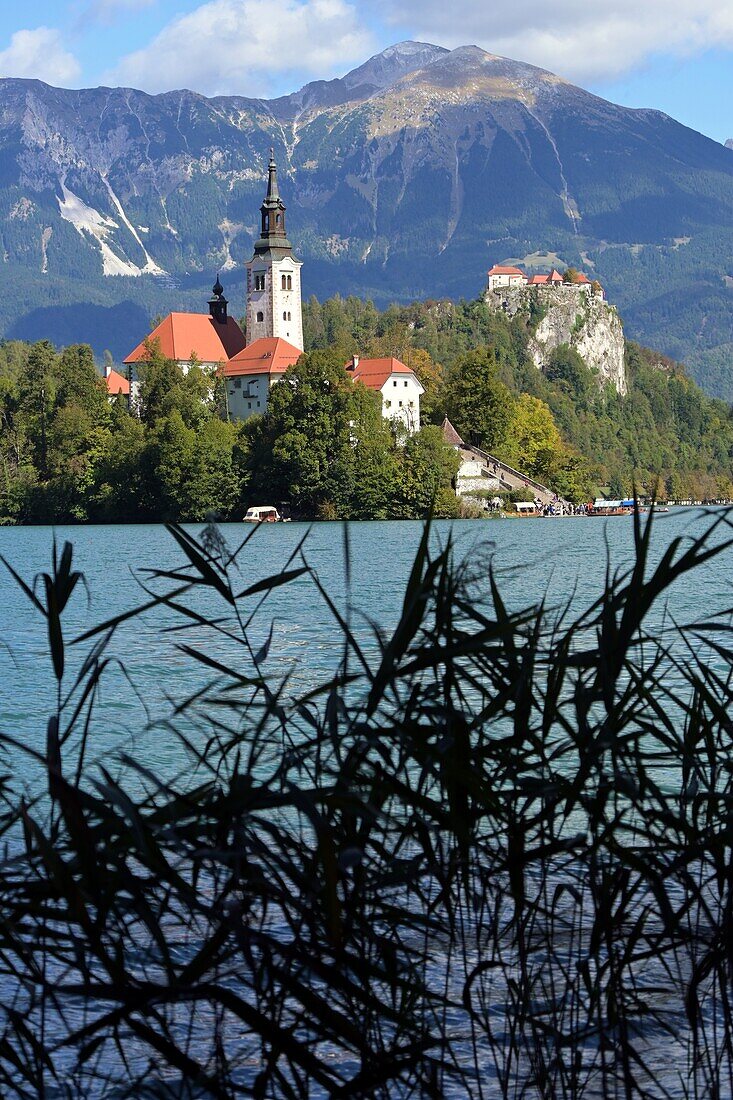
x=273 y=275
x=505 y=276
x=398 y=385
x=250 y=375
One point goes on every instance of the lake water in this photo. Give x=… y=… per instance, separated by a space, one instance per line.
x=559 y=560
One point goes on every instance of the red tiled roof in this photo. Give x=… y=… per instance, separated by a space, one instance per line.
x=181 y=335
x=375 y=372
x=537 y=280
x=268 y=355
x=581 y=278
x=554 y=276
x=497 y=269
x=117 y=383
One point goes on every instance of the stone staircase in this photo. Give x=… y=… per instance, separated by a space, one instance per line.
x=508 y=478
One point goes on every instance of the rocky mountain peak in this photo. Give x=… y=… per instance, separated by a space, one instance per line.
x=391 y=64
x=475 y=71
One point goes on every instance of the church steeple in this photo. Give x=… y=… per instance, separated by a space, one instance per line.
x=272 y=232
x=218 y=304
x=273 y=274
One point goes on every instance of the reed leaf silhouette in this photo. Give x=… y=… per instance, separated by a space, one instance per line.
x=489 y=855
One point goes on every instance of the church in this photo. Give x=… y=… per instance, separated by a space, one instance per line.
x=250 y=365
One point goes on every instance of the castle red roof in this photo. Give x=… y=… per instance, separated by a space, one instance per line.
x=375 y=372
x=538 y=280
x=497 y=269
x=116 y=383
x=182 y=336
x=268 y=355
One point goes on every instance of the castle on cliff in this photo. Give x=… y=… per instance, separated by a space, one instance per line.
x=501 y=277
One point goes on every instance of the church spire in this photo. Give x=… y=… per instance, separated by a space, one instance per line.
x=273 y=274
x=272 y=232
x=272 y=191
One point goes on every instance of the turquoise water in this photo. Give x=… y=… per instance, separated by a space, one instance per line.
x=560 y=560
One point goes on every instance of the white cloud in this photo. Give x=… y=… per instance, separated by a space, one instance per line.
x=39 y=53
x=241 y=47
x=579 y=39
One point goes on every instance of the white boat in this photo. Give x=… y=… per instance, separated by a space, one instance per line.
x=264 y=513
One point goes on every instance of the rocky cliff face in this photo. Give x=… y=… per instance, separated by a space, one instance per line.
x=583 y=320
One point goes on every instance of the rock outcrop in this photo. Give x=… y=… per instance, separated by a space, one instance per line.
x=568 y=315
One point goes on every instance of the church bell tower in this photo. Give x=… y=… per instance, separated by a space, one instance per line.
x=273 y=274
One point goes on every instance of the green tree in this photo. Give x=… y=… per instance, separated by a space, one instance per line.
x=306 y=433
x=477 y=402
x=568 y=369
x=531 y=429
x=428 y=468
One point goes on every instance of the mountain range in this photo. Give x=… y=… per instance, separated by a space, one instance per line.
x=407 y=178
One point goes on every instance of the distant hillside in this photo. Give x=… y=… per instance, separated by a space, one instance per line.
x=405 y=179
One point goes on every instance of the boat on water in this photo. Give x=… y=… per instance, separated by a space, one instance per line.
x=603 y=507
x=264 y=513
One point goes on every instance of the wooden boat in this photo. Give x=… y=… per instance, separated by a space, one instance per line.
x=264 y=513
x=602 y=507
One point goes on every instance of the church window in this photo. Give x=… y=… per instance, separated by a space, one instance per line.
x=260 y=316
x=278 y=219
x=283 y=283
x=267 y=222
x=259 y=280
x=290 y=282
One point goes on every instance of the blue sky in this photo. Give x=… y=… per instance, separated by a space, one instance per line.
x=669 y=54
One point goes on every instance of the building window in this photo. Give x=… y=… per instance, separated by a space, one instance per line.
x=259 y=280
x=260 y=316
x=400 y=404
x=405 y=383
x=258 y=404
x=237 y=383
x=283 y=283
x=278 y=220
x=285 y=316
x=290 y=282
x=394 y=383
x=249 y=404
x=267 y=223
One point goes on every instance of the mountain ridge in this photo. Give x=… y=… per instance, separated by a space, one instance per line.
x=405 y=178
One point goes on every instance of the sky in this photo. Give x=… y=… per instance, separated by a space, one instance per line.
x=672 y=55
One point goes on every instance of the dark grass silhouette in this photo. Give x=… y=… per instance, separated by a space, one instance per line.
x=493 y=862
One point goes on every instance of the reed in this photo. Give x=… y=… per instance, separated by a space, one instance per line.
x=490 y=856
